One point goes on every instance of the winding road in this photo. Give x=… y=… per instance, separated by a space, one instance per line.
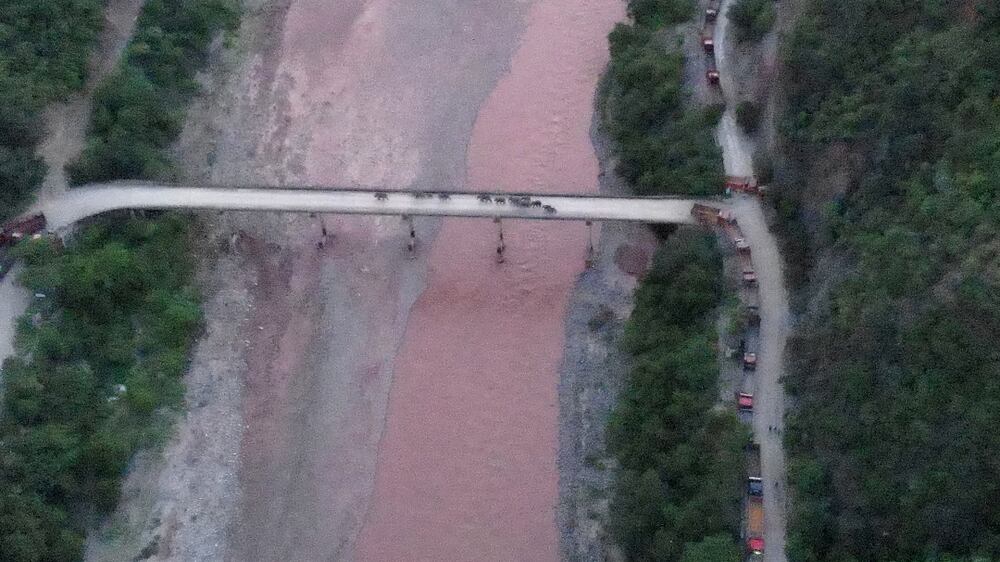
x=66 y=209
x=737 y=151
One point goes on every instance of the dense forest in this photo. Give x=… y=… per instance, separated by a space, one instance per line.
x=662 y=144
x=44 y=48
x=682 y=464
x=676 y=496
x=895 y=451
x=139 y=110
x=101 y=353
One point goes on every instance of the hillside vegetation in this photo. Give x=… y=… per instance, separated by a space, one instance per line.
x=676 y=496
x=44 y=47
x=663 y=146
x=682 y=463
x=139 y=109
x=895 y=452
x=100 y=355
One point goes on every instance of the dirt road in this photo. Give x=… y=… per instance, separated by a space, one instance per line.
x=14 y=300
x=769 y=403
x=737 y=147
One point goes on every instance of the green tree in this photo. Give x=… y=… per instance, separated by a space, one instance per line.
x=752 y=19
x=716 y=548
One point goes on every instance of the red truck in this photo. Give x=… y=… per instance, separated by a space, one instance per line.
x=19 y=229
x=706 y=214
x=745 y=184
x=712 y=74
x=712 y=11
x=755 y=528
x=744 y=402
x=708 y=37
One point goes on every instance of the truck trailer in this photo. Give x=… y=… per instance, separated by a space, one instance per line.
x=19 y=229
x=755 y=528
x=755 y=485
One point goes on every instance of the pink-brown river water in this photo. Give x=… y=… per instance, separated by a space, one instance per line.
x=466 y=468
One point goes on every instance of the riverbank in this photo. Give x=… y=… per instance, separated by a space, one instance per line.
x=594 y=368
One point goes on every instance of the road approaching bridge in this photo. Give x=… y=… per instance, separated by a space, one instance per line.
x=87 y=201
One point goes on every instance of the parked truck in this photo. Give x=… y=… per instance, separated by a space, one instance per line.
x=19 y=229
x=751 y=313
x=705 y=214
x=749 y=276
x=755 y=528
x=708 y=37
x=745 y=184
x=712 y=74
x=744 y=407
x=755 y=486
x=712 y=10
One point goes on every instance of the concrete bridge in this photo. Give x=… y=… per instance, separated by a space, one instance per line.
x=91 y=200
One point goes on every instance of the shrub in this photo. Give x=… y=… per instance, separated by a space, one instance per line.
x=20 y=173
x=658 y=13
x=661 y=147
x=748 y=116
x=752 y=19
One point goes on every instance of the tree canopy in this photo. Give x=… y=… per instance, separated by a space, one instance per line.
x=895 y=369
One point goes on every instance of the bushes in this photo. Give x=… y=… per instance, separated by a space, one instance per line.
x=69 y=430
x=893 y=443
x=752 y=19
x=748 y=116
x=661 y=146
x=139 y=110
x=658 y=13
x=44 y=47
x=682 y=463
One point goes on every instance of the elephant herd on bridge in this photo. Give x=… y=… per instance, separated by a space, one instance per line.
x=519 y=200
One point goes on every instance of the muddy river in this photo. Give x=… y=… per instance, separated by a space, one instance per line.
x=466 y=469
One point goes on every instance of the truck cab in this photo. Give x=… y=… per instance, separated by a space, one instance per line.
x=742 y=245
x=744 y=401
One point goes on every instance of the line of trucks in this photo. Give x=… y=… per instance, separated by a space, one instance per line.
x=712 y=217
x=708 y=41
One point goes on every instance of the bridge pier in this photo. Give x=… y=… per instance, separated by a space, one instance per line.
x=501 y=247
x=411 y=243
x=590 y=245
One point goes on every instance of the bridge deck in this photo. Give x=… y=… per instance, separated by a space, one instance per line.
x=87 y=201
